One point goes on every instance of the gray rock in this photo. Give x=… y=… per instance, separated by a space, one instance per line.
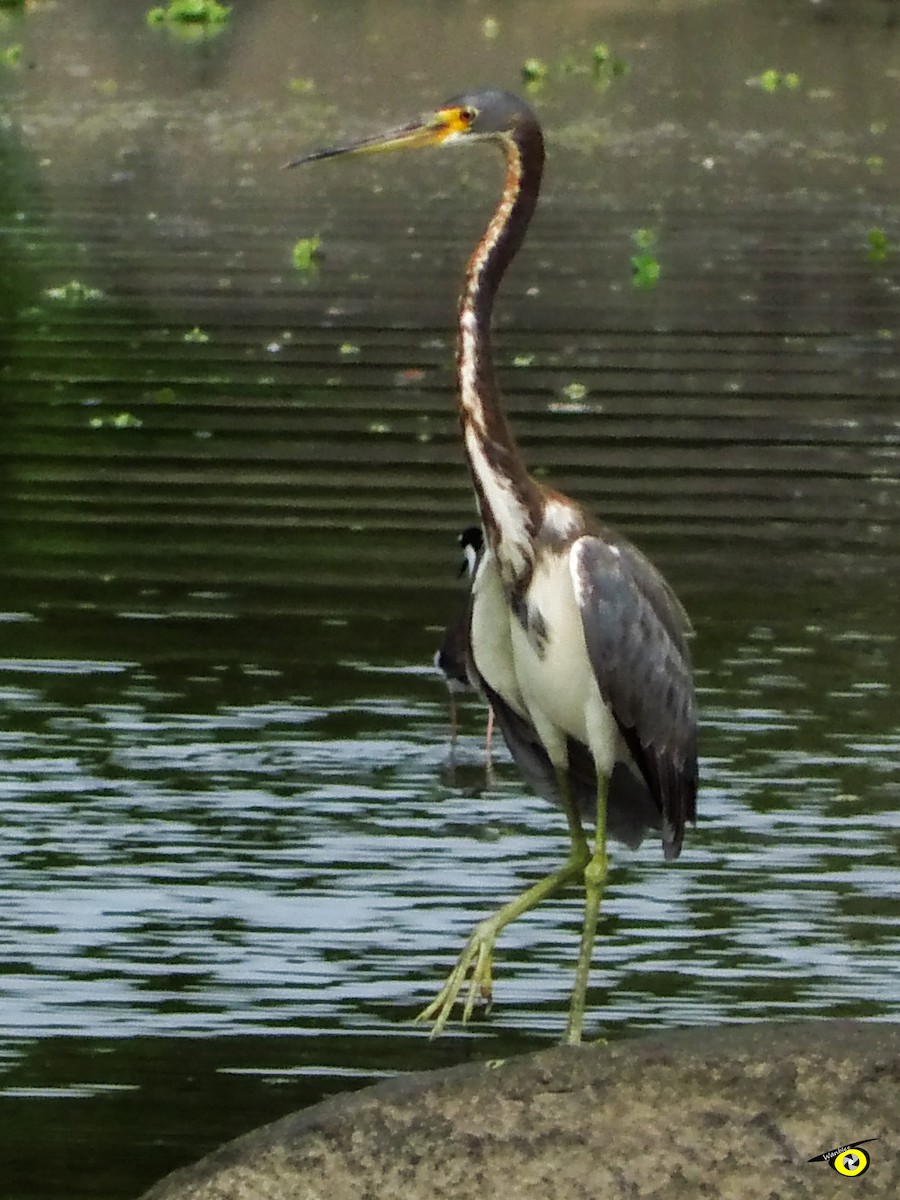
x=729 y=1113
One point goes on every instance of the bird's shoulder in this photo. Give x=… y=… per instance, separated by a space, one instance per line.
x=608 y=569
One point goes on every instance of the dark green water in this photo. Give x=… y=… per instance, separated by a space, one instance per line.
x=237 y=853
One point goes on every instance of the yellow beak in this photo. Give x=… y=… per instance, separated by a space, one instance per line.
x=430 y=131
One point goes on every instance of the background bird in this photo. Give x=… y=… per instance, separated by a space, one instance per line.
x=575 y=638
x=452 y=655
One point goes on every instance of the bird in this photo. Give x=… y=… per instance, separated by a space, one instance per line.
x=575 y=639
x=451 y=657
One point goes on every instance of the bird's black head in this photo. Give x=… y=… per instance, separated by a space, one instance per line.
x=472 y=537
x=471 y=542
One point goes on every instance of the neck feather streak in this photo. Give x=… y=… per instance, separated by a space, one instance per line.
x=508 y=498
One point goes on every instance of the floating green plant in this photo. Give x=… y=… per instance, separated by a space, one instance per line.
x=645 y=268
x=11 y=56
x=73 y=292
x=190 y=20
x=574 y=391
x=189 y=12
x=773 y=81
x=607 y=65
x=122 y=420
x=534 y=72
x=195 y=335
x=880 y=245
x=305 y=253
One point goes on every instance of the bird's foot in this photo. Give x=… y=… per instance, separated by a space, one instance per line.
x=475 y=965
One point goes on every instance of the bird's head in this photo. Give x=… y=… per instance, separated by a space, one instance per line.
x=471 y=541
x=475 y=115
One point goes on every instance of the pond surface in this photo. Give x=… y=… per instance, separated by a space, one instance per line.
x=239 y=851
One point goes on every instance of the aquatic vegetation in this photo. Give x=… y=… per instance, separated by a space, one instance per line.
x=574 y=391
x=880 y=245
x=10 y=56
x=645 y=268
x=189 y=12
x=196 y=335
x=121 y=420
x=607 y=66
x=305 y=253
x=73 y=292
x=773 y=81
x=604 y=64
x=534 y=72
x=190 y=20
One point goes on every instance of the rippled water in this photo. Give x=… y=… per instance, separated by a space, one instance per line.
x=213 y=853
x=238 y=851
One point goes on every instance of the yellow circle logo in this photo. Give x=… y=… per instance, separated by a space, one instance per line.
x=851 y=1162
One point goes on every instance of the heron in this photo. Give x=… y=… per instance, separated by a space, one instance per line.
x=576 y=640
x=452 y=656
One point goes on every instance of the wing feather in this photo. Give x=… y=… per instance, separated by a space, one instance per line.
x=636 y=636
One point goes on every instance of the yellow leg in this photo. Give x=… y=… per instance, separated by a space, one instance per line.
x=594 y=886
x=478 y=952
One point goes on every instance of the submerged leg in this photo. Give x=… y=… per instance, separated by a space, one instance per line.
x=489 y=736
x=454 y=722
x=478 y=952
x=594 y=885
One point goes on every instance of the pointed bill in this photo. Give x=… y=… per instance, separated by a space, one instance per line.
x=429 y=131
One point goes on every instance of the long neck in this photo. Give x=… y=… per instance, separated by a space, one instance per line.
x=508 y=498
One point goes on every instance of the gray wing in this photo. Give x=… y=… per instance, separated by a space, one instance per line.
x=635 y=632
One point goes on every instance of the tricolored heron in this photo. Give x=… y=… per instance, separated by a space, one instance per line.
x=576 y=640
x=452 y=656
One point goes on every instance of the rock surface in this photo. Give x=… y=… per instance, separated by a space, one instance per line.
x=728 y=1113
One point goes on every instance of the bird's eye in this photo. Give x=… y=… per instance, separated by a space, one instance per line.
x=467 y=115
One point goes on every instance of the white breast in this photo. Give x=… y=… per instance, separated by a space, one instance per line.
x=491 y=634
x=540 y=665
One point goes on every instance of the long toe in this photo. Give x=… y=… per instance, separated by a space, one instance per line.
x=475 y=964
